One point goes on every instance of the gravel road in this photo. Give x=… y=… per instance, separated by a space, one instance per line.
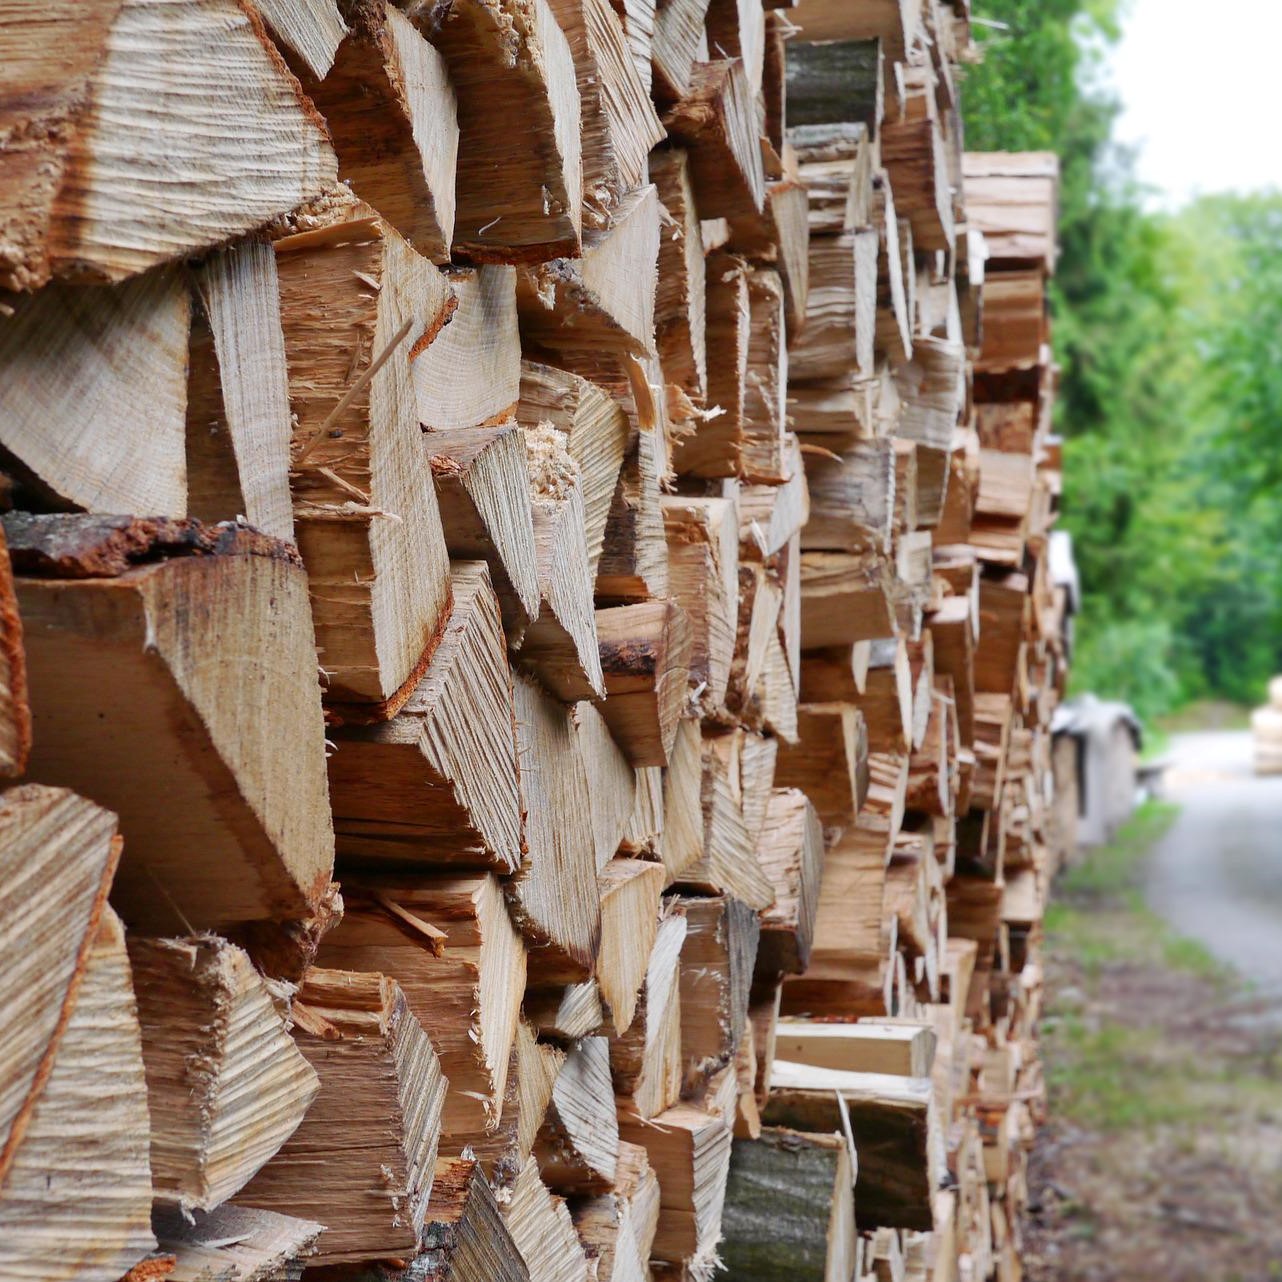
x=1217 y=874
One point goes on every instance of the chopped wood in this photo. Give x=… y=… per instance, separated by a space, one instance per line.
x=468 y=993
x=679 y=33
x=829 y=760
x=765 y=381
x=511 y=62
x=578 y=1145
x=791 y=852
x=634 y=560
x=311 y=30
x=679 y=309
x=75 y=1155
x=566 y=1014
x=237 y=1242
x=617 y=1228
x=440 y=782
x=542 y=1230
x=465 y=1238
x=554 y=895
x=630 y=897
x=645 y=655
x=147 y=133
x=852 y=499
x=226 y=1085
x=377 y=564
x=390 y=109
x=836 y=82
x=840 y=325
x=897 y=1049
x=15 y=710
x=199 y=642
x=845 y=598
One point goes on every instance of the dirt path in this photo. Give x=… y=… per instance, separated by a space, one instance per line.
x=1217 y=874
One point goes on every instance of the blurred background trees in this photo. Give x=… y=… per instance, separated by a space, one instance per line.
x=1168 y=330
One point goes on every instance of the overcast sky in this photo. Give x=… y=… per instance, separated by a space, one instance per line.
x=1201 y=81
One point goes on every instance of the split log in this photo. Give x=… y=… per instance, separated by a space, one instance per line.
x=390 y=109
x=234 y=1242
x=703 y=561
x=765 y=415
x=840 y=326
x=852 y=499
x=618 y=123
x=566 y=1014
x=790 y=1209
x=376 y=1120
x=645 y=655
x=198 y=641
x=912 y=149
x=114 y=171
x=465 y=1238
x=829 y=762
x=74 y=1156
x=542 y=1230
x=471 y=374
x=717 y=960
x=617 y=1229
x=716 y=446
x=893 y=1123
x=310 y=30
x=596 y=435
x=368 y=525
x=560 y=644
x=537 y=1066
x=466 y=988
x=679 y=37
x=578 y=1144
x=737 y=29
x=226 y=1085
x=83 y=355
x=679 y=311
x=630 y=896
x=845 y=599
x=439 y=782
x=238 y=424
x=554 y=896
x=612 y=783
x=634 y=560
x=895 y=1049
x=511 y=62
x=894 y=315
x=645 y=1061
x=716 y=122
x=791 y=852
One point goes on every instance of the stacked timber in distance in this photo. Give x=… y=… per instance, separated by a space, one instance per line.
x=526 y=644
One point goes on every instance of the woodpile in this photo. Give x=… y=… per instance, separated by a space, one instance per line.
x=526 y=644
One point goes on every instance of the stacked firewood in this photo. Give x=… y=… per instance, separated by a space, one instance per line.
x=526 y=640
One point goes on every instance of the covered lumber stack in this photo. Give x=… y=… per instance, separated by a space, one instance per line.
x=517 y=461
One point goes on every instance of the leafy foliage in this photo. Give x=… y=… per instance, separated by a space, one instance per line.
x=1168 y=331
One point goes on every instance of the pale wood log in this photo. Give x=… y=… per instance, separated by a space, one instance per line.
x=760 y=601
x=790 y=1209
x=482 y=490
x=688 y=1146
x=596 y=434
x=566 y=1014
x=238 y=427
x=612 y=783
x=578 y=1144
x=717 y=960
x=829 y=761
x=554 y=895
x=679 y=310
x=646 y=1061
x=353 y=294
x=1012 y=198
x=842 y=410
x=617 y=119
x=511 y=62
x=645 y=655
x=226 y=1086
x=894 y=22
x=716 y=122
x=765 y=381
x=543 y=1231
x=470 y=376
x=953 y=634
x=913 y=152
x=15 y=710
x=679 y=39
x=703 y=561
x=737 y=29
x=76 y=1165
x=840 y=325
x=894 y=315
x=560 y=644
x=791 y=853
x=644 y=830
x=682 y=844
x=147 y=131
x=630 y=896
x=715 y=447
x=311 y=30
x=852 y=499
x=896 y=1049
x=465 y=1238
x=638 y=18
x=285 y=950
x=932 y=391
x=236 y=1242
x=537 y=1066
x=439 y=782
x=634 y=560
x=196 y=638
x=894 y=1125
x=755 y=758
x=390 y=109
x=113 y=361
x=617 y=1229
x=469 y=995
x=381 y=1088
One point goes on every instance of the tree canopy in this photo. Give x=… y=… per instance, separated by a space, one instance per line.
x=1168 y=331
